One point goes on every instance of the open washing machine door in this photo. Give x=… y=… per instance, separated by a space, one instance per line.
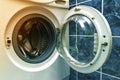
x=85 y=41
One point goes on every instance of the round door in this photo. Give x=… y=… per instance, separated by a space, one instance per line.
x=85 y=41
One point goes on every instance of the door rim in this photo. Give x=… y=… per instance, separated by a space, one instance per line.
x=104 y=36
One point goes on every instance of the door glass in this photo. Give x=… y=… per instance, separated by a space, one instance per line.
x=82 y=38
x=85 y=39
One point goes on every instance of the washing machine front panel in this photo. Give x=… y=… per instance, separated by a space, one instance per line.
x=85 y=40
x=30 y=39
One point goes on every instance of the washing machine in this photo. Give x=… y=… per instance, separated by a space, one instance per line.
x=36 y=44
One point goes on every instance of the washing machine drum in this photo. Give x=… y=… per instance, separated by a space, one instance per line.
x=34 y=38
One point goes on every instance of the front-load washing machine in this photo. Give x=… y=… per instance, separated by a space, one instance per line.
x=36 y=43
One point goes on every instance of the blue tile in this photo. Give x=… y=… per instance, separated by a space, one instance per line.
x=105 y=77
x=72 y=2
x=71 y=6
x=112 y=14
x=94 y=3
x=79 y=76
x=91 y=76
x=73 y=74
x=81 y=1
x=72 y=48
x=81 y=48
x=112 y=6
x=72 y=41
x=112 y=66
x=115 y=27
x=72 y=28
x=85 y=47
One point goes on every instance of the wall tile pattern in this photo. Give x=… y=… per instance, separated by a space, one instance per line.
x=111 y=69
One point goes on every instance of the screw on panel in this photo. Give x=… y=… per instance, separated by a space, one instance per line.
x=91 y=64
x=8 y=42
x=93 y=18
x=77 y=9
x=104 y=36
x=105 y=44
x=103 y=50
x=95 y=53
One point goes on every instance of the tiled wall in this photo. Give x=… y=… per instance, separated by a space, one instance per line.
x=111 y=69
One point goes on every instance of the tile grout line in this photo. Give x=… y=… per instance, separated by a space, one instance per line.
x=108 y=75
x=101 y=73
x=92 y=36
x=84 y=2
x=81 y=35
x=76 y=3
x=102 y=6
x=115 y=36
x=77 y=74
x=111 y=76
x=80 y=3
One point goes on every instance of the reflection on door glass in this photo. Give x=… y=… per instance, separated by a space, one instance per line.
x=82 y=38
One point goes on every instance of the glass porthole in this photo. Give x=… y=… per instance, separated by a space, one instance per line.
x=82 y=46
